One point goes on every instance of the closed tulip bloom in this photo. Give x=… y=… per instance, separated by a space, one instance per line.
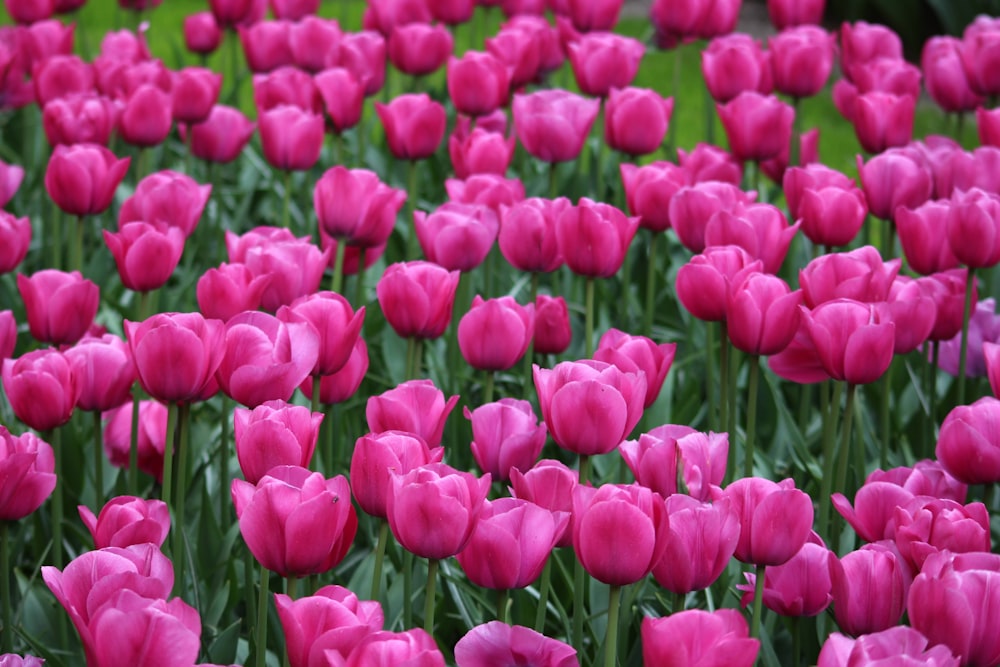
x=285 y=85
x=884 y=648
x=762 y=315
x=926 y=526
x=619 y=532
x=592 y=16
x=944 y=75
x=152 y=437
x=968 y=584
x=800 y=587
x=60 y=306
x=15 y=237
x=384 y=15
x=922 y=233
x=636 y=120
x=801 y=60
x=873 y=515
x=342 y=385
x=775 y=519
x=417 y=298
x=497 y=643
x=377 y=456
x=176 y=354
x=418 y=498
x=457 y=236
x=863 y=42
x=859 y=274
x=693 y=206
x=974 y=228
x=59 y=76
x=478 y=83
x=758 y=127
x=703 y=284
x=505 y=435
x=913 y=310
x=275 y=433
x=553 y=124
x=869 y=589
x=337 y=324
x=735 y=63
x=700 y=543
x=815 y=177
x=638 y=353
x=146 y=118
x=82 y=179
x=166 y=199
x=492 y=190
x=127 y=520
x=967 y=445
x=553 y=332
x=604 y=60
x=760 y=229
x=415 y=406
x=228 y=290
x=892 y=179
x=653 y=458
x=414 y=125
x=479 y=150
x=527 y=236
x=266 y=45
x=520 y=49
x=28 y=11
x=988 y=124
x=314 y=41
x=589 y=406
x=333 y=620
x=343 y=97
x=495 y=333
x=41 y=388
x=295 y=522
x=413 y=647
x=146 y=256
x=832 y=216
x=924 y=478
x=698 y=638
x=649 y=189
x=418 y=49
x=201 y=33
x=363 y=54
x=883 y=120
x=594 y=237
x=510 y=544
x=27 y=463
x=710 y=163
x=295 y=267
x=549 y=484
x=293 y=10
x=980 y=50
x=11 y=176
x=266 y=358
x=854 y=345
x=194 y=94
x=104 y=371
x=222 y=136
x=290 y=137
x=788 y=13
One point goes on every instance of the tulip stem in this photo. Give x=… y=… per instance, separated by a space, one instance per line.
x=758 y=599
x=724 y=393
x=292 y=586
x=432 y=570
x=168 y=456
x=287 y=198
x=488 y=382
x=98 y=461
x=411 y=205
x=677 y=602
x=337 y=282
x=651 y=269
x=886 y=419
x=713 y=425
x=503 y=600
x=260 y=645
x=845 y=440
x=529 y=354
x=55 y=439
x=751 y=433
x=359 y=279
x=935 y=363
x=408 y=590
x=543 y=596
x=383 y=539
x=7 y=636
x=611 y=638
x=589 y=321
x=76 y=250
x=225 y=499
x=970 y=285
x=133 y=452
x=553 y=181
x=180 y=495
x=829 y=408
x=579 y=581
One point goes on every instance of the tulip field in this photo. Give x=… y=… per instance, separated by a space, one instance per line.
x=496 y=332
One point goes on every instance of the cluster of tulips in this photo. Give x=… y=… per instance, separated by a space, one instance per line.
x=589 y=529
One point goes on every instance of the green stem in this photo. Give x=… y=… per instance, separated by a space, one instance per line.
x=599 y=157
x=359 y=280
x=76 y=250
x=7 y=635
x=543 y=596
x=413 y=246
x=503 y=599
x=292 y=586
x=964 y=349
x=885 y=419
x=337 y=282
x=56 y=232
x=844 y=455
x=260 y=644
x=713 y=425
x=935 y=359
x=168 y=457
x=830 y=408
x=234 y=67
x=383 y=540
x=611 y=638
x=758 y=599
x=589 y=321
x=98 y=461
x=55 y=439
x=488 y=387
x=579 y=580
x=314 y=406
x=286 y=202
x=794 y=144
x=529 y=355
x=651 y=270
x=180 y=495
x=553 y=181
x=133 y=452
x=431 y=591
x=672 y=127
x=408 y=589
x=411 y=347
x=751 y=433
x=677 y=602
x=225 y=499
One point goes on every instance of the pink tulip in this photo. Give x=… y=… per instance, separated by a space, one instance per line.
x=974 y=228
x=527 y=236
x=505 y=435
x=553 y=124
x=60 y=306
x=549 y=484
x=166 y=199
x=704 y=284
x=414 y=125
x=417 y=497
x=833 y=216
x=873 y=516
x=700 y=543
x=944 y=75
x=980 y=50
x=363 y=54
x=332 y=620
x=28 y=11
x=286 y=85
x=913 y=310
x=553 y=332
x=787 y=13
x=104 y=371
x=61 y=120
x=649 y=189
x=417 y=298
x=884 y=648
x=892 y=179
x=146 y=118
x=604 y=60
x=800 y=587
x=510 y=544
x=520 y=49
x=228 y=290
x=222 y=136
x=656 y=458
x=152 y=437
x=589 y=406
x=637 y=353
x=733 y=64
x=343 y=384
x=415 y=406
x=698 y=638
x=762 y=315
x=494 y=334
x=594 y=237
x=491 y=190
x=377 y=456
x=497 y=643
x=337 y=324
x=418 y=49
x=922 y=233
x=812 y=176
x=127 y=520
x=384 y=15
x=925 y=478
x=478 y=150
x=927 y=526
x=760 y=229
x=412 y=647
x=28 y=463
x=801 y=60
x=201 y=33
x=759 y=503
x=274 y=433
x=859 y=274
x=758 y=127
x=863 y=42
x=314 y=41
x=693 y=206
x=176 y=354
x=967 y=446
x=343 y=97
x=15 y=237
x=82 y=179
x=636 y=120
x=457 y=236
x=290 y=137
x=195 y=92
x=61 y=76
x=988 y=123
x=146 y=256
x=869 y=589
x=854 y=345
x=266 y=45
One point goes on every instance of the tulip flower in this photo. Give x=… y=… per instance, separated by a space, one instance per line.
x=883 y=120
x=700 y=542
x=294 y=522
x=313 y=41
x=336 y=323
x=859 y=274
x=787 y=13
x=476 y=150
x=146 y=256
x=285 y=85
x=333 y=619
x=201 y=33
x=656 y=458
x=355 y=205
x=979 y=49
x=697 y=638
x=863 y=42
x=527 y=236
x=60 y=306
x=166 y=199
x=376 y=457
x=478 y=83
x=553 y=124
x=944 y=75
x=800 y=587
x=892 y=179
x=151 y=437
x=274 y=433
x=495 y=333
x=506 y=435
x=266 y=45
x=104 y=371
x=832 y=216
x=497 y=643
x=967 y=446
x=415 y=406
x=869 y=589
x=760 y=229
x=28 y=463
x=343 y=384
x=343 y=97
x=26 y=11
x=854 y=345
x=222 y=136
x=926 y=526
x=899 y=643
x=520 y=48
x=735 y=63
x=801 y=60
x=594 y=237
x=693 y=206
x=634 y=353
x=417 y=298
x=636 y=120
x=146 y=119
x=61 y=76
x=414 y=647
x=290 y=137
x=759 y=503
x=924 y=478
x=194 y=94
x=922 y=233
x=127 y=520
x=703 y=284
x=649 y=189
x=492 y=190
x=414 y=125
x=418 y=49
x=228 y=290
x=41 y=388
x=457 y=236
x=553 y=332
x=82 y=179
x=604 y=60
x=758 y=127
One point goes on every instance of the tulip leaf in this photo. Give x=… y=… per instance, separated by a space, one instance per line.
x=223 y=649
